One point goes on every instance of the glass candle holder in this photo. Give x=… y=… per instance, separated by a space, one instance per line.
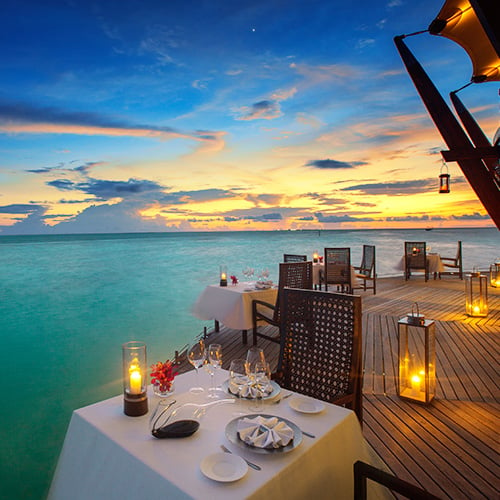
x=223 y=276
x=135 y=399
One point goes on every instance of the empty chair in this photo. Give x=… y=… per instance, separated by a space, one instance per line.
x=320 y=351
x=364 y=471
x=338 y=269
x=293 y=275
x=288 y=257
x=366 y=270
x=416 y=258
x=454 y=264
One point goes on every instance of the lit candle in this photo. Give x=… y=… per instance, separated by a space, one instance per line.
x=223 y=276
x=315 y=257
x=135 y=381
x=415 y=384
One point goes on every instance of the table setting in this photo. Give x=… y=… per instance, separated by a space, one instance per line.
x=218 y=441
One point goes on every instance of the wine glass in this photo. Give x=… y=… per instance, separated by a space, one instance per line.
x=214 y=362
x=260 y=380
x=254 y=355
x=197 y=357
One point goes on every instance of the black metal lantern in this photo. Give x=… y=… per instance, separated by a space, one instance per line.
x=444 y=180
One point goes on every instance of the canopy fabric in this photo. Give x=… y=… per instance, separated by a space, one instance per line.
x=473 y=25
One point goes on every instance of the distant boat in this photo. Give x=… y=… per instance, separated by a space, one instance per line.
x=429 y=228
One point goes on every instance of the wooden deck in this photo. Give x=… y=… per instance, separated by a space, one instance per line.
x=451 y=447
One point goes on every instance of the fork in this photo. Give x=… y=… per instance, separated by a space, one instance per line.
x=250 y=464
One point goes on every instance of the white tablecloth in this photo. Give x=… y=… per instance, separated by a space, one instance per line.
x=107 y=455
x=319 y=269
x=231 y=304
x=433 y=260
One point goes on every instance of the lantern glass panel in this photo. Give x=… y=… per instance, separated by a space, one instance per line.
x=444 y=183
x=476 y=295
x=495 y=275
x=417 y=361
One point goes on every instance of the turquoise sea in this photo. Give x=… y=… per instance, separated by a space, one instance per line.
x=67 y=303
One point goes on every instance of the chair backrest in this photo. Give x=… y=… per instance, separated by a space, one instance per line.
x=338 y=266
x=415 y=254
x=367 y=266
x=288 y=257
x=364 y=471
x=458 y=258
x=320 y=351
x=292 y=275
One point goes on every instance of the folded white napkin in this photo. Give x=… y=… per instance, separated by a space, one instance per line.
x=264 y=284
x=264 y=432
x=250 y=391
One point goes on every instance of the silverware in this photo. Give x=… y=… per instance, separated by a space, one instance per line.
x=250 y=464
x=282 y=398
x=308 y=434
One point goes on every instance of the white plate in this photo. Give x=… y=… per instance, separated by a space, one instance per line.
x=306 y=405
x=232 y=435
x=276 y=390
x=224 y=467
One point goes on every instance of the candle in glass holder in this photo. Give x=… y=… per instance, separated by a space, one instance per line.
x=415 y=384
x=135 y=382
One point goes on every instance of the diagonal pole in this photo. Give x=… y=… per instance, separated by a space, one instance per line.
x=474 y=169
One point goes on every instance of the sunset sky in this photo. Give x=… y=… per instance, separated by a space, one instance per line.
x=166 y=115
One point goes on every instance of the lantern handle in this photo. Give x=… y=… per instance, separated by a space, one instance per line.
x=443 y=165
x=415 y=304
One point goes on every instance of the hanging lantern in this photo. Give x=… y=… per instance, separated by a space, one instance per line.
x=476 y=294
x=444 y=180
x=135 y=399
x=416 y=358
x=495 y=274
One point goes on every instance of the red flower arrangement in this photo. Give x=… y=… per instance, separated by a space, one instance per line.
x=162 y=375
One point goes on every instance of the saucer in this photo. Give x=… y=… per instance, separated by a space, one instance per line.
x=223 y=467
x=306 y=405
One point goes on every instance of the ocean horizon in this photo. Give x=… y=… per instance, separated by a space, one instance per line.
x=68 y=302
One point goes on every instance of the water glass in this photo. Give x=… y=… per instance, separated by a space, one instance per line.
x=197 y=357
x=214 y=362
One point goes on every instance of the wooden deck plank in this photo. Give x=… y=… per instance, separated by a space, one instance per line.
x=450 y=447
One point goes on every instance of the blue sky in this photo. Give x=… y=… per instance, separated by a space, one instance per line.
x=222 y=115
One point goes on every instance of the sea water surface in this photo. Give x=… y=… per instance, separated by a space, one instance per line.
x=67 y=303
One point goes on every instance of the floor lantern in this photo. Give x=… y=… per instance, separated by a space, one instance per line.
x=416 y=358
x=495 y=274
x=476 y=294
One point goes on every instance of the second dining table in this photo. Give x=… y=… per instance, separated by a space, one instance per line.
x=231 y=305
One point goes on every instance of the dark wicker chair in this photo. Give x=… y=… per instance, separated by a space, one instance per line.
x=288 y=257
x=364 y=471
x=366 y=271
x=292 y=275
x=416 y=258
x=338 y=269
x=320 y=352
x=454 y=263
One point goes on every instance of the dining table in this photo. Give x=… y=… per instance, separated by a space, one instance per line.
x=319 y=271
x=434 y=263
x=108 y=455
x=231 y=305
